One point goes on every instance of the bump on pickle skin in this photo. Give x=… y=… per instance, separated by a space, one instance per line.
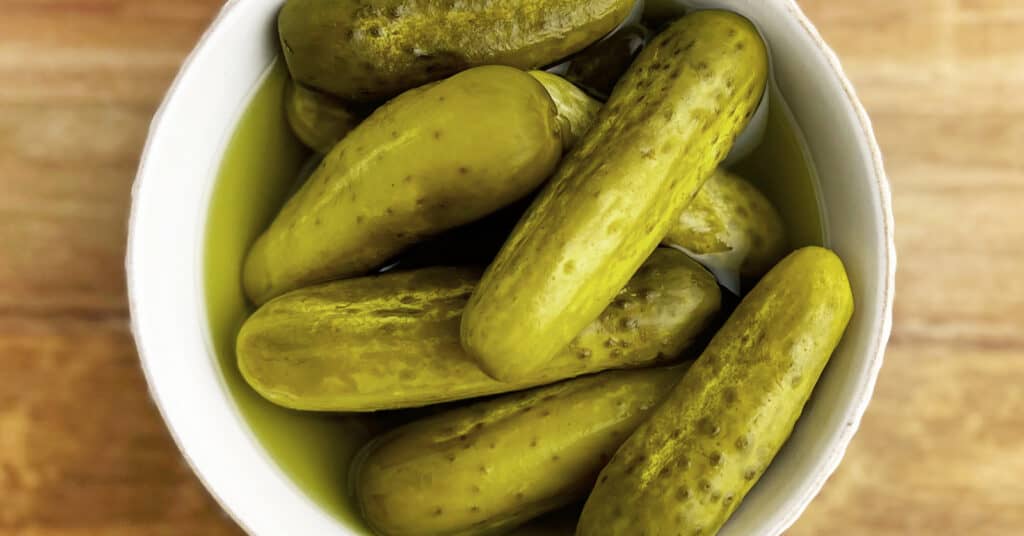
x=729 y=216
x=392 y=341
x=431 y=159
x=494 y=465
x=671 y=119
x=576 y=110
x=371 y=50
x=317 y=119
x=686 y=469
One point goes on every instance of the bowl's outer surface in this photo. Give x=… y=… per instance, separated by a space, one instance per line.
x=165 y=281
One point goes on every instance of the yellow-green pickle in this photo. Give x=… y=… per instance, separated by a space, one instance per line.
x=688 y=466
x=600 y=66
x=670 y=121
x=732 y=225
x=431 y=159
x=496 y=464
x=576 y=110
x=371 y=50
x=392 y=341
x=318 y=120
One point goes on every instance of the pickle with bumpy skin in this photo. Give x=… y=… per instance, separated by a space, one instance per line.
x=731 y=226
x=496 y=464
x=392 y=341
x=319 y=120
x=370 y=50
x=686 y=469
x=669 y=122
x=432 y=159
x=576 y=110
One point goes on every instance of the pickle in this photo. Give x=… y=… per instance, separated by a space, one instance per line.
x=669 y=122
x=392 y=341
x=599 y=67
x=686 y=469
x=576 y=110
x=731 y=226
x=496 y=464
x=430 y=160
x=318 y=120
x=371 y=50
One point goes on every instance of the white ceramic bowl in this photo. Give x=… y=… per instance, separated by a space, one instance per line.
x=165 y=263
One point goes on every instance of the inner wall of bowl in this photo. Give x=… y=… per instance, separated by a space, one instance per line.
x=314 y=449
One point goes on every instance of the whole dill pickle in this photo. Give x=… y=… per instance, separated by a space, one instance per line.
x=371 y=50
x=392 y=341
x=432 y=159
x=670 y=121
x=493 y=465
x=687 y=468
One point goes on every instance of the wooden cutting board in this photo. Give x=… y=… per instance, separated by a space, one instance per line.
x=83 y=451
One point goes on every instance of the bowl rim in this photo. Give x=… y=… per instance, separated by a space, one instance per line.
x=230 y=500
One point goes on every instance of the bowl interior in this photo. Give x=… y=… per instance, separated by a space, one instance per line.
x=298 y=461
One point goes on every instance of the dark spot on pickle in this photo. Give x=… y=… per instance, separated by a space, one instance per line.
x=682 y=494
x=749 y=474
x=438 y=511
x=709 y=427
x=742 y=442
x=705 y=486
x=715 y=459
x=730 y=395
x=463 y=170
x=630 y=323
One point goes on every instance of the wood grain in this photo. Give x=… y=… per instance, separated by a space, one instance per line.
x=83 y=451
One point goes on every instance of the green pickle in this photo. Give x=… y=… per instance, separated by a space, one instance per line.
x=371 y=50
x=670 y=121
x=731 y=226
x=687 y=468
x=318 y=120
x=431 y=159
x=488 y=467
x=598 y=68
x=576 y=110
x=392 y=341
